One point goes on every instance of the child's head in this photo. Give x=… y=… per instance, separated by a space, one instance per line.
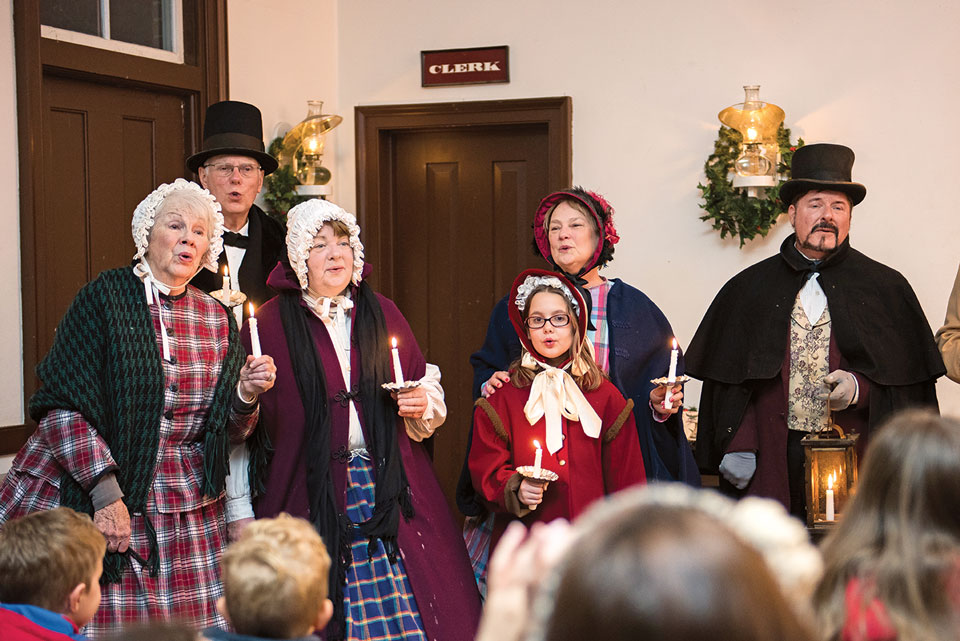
x=549 y=315
x=53 y=559
x=551 y=324
x=275 y=579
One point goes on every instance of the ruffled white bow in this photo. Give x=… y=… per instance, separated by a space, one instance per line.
x=153 y=288
x=553 y=394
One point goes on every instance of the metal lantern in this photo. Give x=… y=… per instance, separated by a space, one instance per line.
x=831 y=475
x=303 y=149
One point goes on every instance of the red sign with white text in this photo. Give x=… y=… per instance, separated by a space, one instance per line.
x=464 y=66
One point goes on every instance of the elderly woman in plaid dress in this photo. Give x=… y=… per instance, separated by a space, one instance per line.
x=350 y=457
x=143 y=390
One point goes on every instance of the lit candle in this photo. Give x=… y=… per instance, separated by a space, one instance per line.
x=830 y=515
x=226 y=279
x=671 y=376
x=537 y=458
x=254 y=334
x=397 y=371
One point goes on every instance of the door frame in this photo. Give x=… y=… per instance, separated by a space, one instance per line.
x=199 y=84
x=376 y=125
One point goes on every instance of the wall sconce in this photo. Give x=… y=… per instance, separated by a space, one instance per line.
x=830 y=464
x=303 y=149
x=757 y=122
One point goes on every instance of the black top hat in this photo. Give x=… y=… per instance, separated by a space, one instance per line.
x=822 y=167
x=234 y=128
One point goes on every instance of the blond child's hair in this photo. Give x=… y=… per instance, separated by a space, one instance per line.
x=45 y=555
x=275 y=578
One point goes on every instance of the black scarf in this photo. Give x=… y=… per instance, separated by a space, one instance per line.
x=391 y=492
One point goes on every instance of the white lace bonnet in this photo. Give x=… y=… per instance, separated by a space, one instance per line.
x=145 y=215
x=305 y=221
x=532 y=282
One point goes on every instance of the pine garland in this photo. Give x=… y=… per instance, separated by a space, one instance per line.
x=730 y=209
x=280 y=194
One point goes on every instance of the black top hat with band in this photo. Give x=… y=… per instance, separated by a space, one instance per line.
x=822 y=167
x=233 y=128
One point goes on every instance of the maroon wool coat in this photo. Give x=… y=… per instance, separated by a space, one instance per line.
x=431 y=544
x=589 y=468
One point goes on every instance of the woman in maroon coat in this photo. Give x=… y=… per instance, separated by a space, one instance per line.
x=559 y=401
x=349 y=455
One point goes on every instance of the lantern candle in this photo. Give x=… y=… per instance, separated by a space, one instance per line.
x=537 y=459
x=397 y=371
x=226 y=279
x=671 y=376
x=830 y=514
x=254 y=334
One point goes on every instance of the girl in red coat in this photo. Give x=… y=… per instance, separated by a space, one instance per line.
x=558 y=399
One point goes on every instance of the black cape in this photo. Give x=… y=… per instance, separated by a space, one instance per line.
x=876 y=320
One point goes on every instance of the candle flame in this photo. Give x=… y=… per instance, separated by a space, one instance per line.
x=536 y=443
x=226 y=270
x=674 y=343
x=394 y=341
x=831 y=479
x=250 y=307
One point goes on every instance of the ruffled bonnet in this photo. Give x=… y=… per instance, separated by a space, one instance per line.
x=303 y=224
x=523 y=287
x=145 y=215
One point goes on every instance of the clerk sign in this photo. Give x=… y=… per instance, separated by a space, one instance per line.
x=464 y=66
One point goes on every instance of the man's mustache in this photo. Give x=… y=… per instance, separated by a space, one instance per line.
x=827 y=227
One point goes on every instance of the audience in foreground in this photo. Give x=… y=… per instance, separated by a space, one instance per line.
x=50 y=567
x=892 y=566
x=274 y=582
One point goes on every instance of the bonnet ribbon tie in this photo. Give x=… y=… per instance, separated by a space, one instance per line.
x=153 y=288
x=321 y=306
x=553 y=394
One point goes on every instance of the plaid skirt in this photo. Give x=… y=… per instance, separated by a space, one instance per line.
x=477 y=534
x=187 y=586
x=378 y=600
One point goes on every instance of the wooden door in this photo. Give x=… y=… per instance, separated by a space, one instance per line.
x=454 y=228
x=105 y=149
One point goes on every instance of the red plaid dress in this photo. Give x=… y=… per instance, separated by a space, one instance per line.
x=191 y=531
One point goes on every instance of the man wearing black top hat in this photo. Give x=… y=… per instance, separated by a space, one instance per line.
x=231 y=164
x=817 y=329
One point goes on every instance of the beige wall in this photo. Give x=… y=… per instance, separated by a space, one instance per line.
x=11 y=343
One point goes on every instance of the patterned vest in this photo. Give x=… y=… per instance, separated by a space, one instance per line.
x=809 y=365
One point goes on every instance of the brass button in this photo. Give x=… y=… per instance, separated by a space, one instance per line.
x=563 y=462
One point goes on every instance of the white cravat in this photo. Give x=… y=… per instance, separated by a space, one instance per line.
x=153 y=288
x=812 y=298
x=553 y=394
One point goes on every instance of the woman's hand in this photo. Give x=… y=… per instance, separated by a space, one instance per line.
x=531 y=492
x=659 y=393
x=113 y=521
x=257 y=376
x=411 y=403
x=496 y=382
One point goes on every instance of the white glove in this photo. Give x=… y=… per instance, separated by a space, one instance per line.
x=844 y=392
x=738 y=468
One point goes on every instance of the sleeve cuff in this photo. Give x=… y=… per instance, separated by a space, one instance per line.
x=242 y=404
x=106 y=491
x=239 y=508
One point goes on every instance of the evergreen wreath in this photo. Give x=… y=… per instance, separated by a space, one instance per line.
x=730 y=209
x=280 y=192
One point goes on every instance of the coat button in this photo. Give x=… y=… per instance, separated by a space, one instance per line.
x=563 y=461
x=174 y=387
x=729 y=430
x=173 y=360
x=168 y=415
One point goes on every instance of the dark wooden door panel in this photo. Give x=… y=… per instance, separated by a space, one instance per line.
x=464 y=202
x=105 y=149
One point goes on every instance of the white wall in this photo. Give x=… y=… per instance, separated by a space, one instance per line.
x=647 y=80
x=282 y=54
x=11 y=341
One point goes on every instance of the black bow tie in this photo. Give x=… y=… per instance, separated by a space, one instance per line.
x=234 y=239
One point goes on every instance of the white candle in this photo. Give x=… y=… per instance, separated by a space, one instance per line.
x=226 y=279
x=537 y=459
x=254 y=334
x=671 y=376
x=397 y=371
x=830 y=514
